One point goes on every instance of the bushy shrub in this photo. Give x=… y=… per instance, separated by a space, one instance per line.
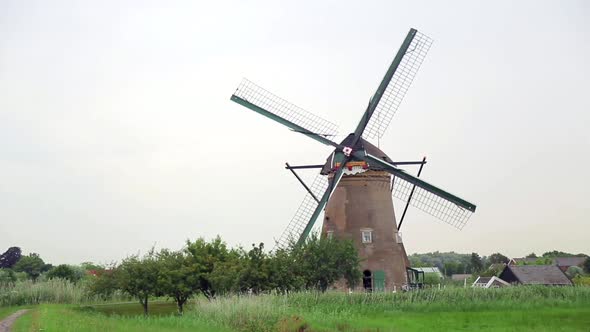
x=574 y=271
x=64 y=271
x=581 y=281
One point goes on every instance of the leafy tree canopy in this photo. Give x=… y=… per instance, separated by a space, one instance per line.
x=138 y=276
x=476 y=262
x=32 y=265
x=556 y=253
x=498 y=258
x=64 y=271
x=178 y=276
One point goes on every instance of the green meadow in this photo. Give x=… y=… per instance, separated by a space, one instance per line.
x=451 y=309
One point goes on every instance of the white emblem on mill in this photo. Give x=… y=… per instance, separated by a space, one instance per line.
x=347 y=151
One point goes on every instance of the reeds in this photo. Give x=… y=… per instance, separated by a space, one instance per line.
x=60 y=291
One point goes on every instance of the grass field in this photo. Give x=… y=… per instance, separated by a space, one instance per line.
x=510 y=309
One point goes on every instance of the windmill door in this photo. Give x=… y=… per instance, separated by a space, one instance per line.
x=379 y=281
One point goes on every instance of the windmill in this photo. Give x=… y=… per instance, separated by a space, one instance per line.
x=357 y=182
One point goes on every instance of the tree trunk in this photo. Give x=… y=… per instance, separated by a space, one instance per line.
x=144 y=304
x=180 y=302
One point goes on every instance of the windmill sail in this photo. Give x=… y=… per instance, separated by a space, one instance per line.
x=268 y=104
x=306 y=209
x=398 y=85
x=426 y=197
x=431 y=203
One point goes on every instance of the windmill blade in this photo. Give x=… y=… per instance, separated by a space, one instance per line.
x=396 y=83
x=297 y=119
x=426 y=197
x=331 y=187
x=431 y=203
x=306 y=209
x=310 y=209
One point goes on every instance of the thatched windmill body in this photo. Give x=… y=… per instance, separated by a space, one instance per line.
x=358 y=180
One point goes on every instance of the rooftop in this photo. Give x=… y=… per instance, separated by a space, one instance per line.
x=538 y=274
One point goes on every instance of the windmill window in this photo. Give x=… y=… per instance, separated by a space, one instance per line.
x=398 y=237
x=367 y=236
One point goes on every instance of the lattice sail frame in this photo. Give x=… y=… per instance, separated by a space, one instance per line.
x=430 y=203
x=260 y=97
x=398 y=86
x=304 y=212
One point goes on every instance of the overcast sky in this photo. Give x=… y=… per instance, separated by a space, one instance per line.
x=117 y=132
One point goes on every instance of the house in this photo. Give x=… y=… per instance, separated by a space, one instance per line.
x=549 y=275
x=432 y=269
x=565 y=262
x=490 y=282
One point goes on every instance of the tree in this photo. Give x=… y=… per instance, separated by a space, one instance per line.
x=138 y=277
x=89 y=266
x=10 y=257
x=178 y=276
x=476 y=263
x=255 y=275
x=557 y=253
x=32 y=265
x=225 y=277
x=531 y=255
x=206 y=256
x=586 y=265
x=324 y=261
x=105 y=283
x=285 y=274
x=498 y=258
x=7 y=276
x=66 y=272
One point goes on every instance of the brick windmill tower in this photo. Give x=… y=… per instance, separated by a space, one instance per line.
x=357 y=182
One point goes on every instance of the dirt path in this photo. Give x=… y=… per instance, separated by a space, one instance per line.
x=8 y=321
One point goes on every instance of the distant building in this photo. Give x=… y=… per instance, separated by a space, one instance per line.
x=430 y=269
x=460 y=277
x=565 y=262
x=549 y=275
x=489 y=282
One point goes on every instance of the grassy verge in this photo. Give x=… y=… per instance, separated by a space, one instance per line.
x=6 y=311
x=64 y=318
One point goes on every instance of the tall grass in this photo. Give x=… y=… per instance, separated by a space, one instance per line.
x=452 y=298
x=266 y=312
x=244 y=313
x=28 y=292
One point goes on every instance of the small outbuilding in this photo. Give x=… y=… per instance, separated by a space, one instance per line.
x=549 y=275
x=430 y=269
x=490 y=282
